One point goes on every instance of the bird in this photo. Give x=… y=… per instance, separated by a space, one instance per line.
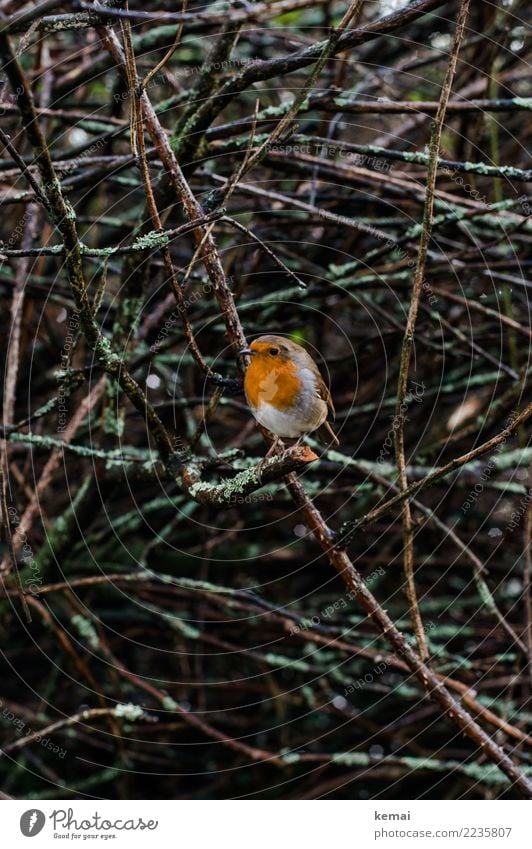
x=286 y=392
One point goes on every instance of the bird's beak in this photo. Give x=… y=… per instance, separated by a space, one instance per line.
x=247 y=351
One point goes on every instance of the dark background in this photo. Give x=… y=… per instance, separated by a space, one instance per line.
x=254 y=674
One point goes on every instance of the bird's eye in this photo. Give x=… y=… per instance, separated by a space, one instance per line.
x=274 y=351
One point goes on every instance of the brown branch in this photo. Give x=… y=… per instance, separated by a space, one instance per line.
x=230 y=490
x=527 y=584
x=65 y=220
x=349 y=528
x=266 y=69
x=51 y=465
x=429 y=680
x=82 y=717
x=408 y=341
x=192 y=210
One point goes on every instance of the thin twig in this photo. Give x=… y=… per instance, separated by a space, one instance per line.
x=408 y=341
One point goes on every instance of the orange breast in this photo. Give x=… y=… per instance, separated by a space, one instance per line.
x=272 y=383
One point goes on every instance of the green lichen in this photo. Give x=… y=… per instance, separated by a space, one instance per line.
x=61 y=524
x=129 y=711
x=308 y=694
x=523 y=102
x=485 y=594
x=147 y=241
x=198 y=585
x=184 y=628
x=86 y=630
x=279 y=661
x=113 y=423
x=112 y=458
x=351 y=759
x=512 y=459
x=169 y=703
x=289 y=757
x=242 y=484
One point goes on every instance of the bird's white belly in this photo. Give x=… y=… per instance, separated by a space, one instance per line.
x=286 y=424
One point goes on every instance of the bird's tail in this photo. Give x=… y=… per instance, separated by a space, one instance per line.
x=326 y=435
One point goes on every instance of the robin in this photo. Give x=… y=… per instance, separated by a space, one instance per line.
x=286 y=391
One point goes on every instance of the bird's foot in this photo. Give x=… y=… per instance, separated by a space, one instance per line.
x=272 y=452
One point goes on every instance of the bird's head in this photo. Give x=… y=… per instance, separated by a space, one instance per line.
x=273 y=350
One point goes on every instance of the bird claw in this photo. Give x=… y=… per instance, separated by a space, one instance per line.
x=272 y=451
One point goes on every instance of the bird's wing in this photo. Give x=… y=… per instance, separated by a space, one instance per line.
x=324 y=393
